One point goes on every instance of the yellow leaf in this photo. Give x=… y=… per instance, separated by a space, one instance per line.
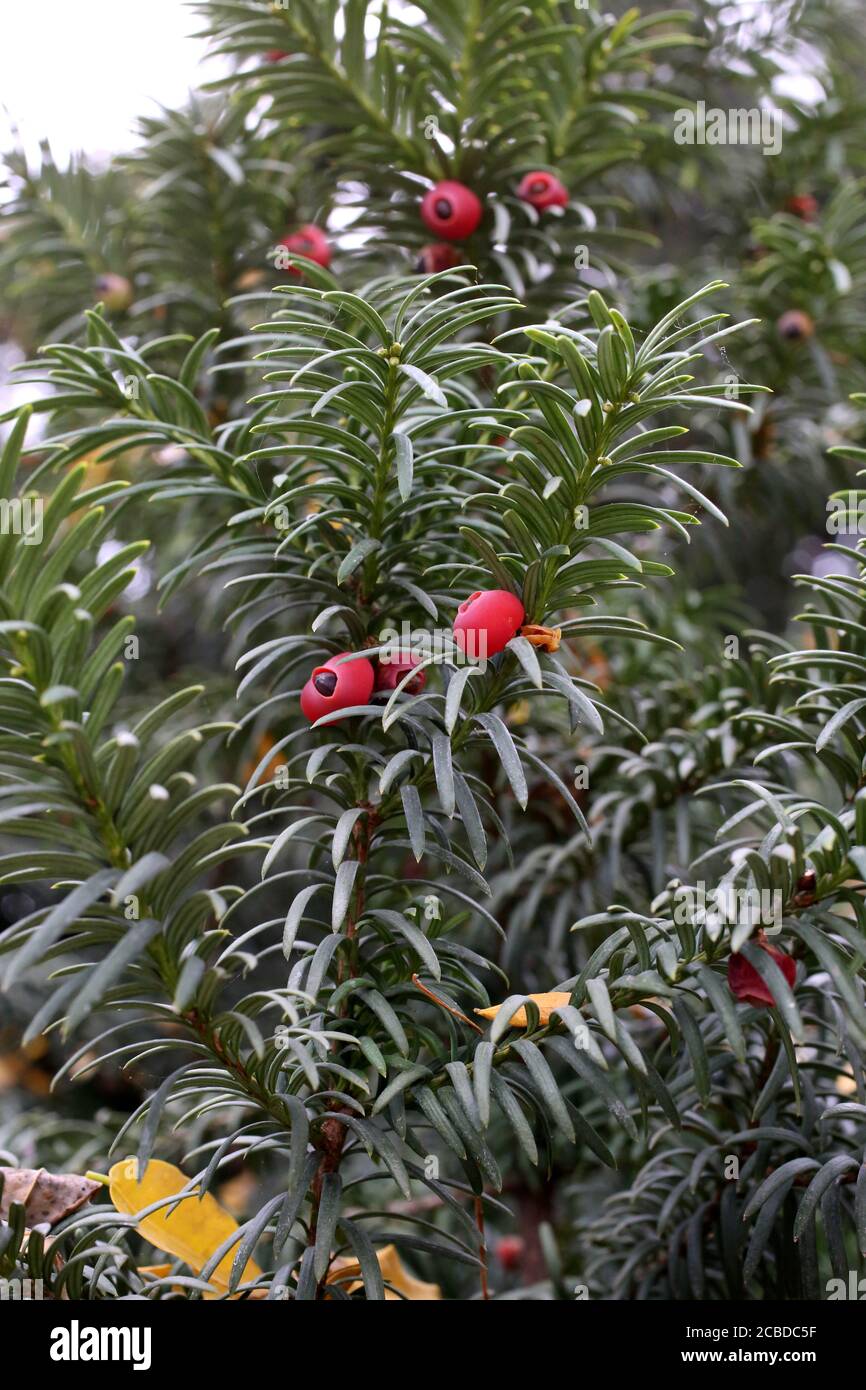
x=546 y=1004
x=393 y=1272
x=191 y=1230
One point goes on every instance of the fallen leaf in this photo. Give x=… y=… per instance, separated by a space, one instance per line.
x=546 y=1003
x=393 y=1272
x=46 y=1197
x=191 y=1230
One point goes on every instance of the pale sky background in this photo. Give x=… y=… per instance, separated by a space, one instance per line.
x=81 y=71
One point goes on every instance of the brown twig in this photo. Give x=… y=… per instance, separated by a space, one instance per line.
x=482 y=1247
x=442 y=1005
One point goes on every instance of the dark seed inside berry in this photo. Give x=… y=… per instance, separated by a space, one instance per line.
x=442 y=207
x=538 y=186
x=325 y=682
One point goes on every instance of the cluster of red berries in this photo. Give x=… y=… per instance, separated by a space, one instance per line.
x=453 y=211
x=340 y=684
x=450 y=209
x=485 y=624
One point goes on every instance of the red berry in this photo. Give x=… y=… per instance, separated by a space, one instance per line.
x=543 y=190
x=275 y=55
x=795 y=325
x=115 y=291
x=437 y=256
x=309 y=241
x=389 y=673
x=487 y=621
x=451 y=210
x=334 y=686
x=803 y=205
x=745 y=983
x=509 y=1252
